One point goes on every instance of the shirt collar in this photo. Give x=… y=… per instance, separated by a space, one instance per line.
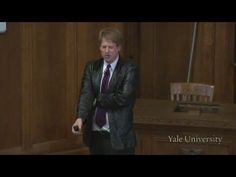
x=113 y=64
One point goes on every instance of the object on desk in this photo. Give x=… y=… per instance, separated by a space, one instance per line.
x=193 y=97
x=191 y=92
x=197 y=106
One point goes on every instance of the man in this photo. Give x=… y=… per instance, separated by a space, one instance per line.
x=107 y=97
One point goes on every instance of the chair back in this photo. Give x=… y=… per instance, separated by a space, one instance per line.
x=191 y=92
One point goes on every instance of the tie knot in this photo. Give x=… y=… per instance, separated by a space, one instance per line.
x=108 y=66
x=108 y=69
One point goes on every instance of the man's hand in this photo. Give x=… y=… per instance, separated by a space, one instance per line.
x=77 y=126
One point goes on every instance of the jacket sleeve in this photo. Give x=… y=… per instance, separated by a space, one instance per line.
x=123 y=95
x=86 y=94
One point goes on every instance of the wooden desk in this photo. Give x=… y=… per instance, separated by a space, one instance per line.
x=161 y=130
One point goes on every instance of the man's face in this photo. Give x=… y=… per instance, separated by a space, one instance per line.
x=109 y=50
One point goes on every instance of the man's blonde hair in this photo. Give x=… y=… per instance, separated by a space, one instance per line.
x=112 y=34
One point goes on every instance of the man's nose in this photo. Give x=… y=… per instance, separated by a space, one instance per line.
x=106 y=49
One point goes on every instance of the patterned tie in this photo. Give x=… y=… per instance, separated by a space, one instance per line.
x=100 y=118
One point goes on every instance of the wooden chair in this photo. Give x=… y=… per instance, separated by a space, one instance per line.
x=191 y=92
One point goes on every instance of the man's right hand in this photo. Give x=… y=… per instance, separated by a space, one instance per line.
x=77 y=126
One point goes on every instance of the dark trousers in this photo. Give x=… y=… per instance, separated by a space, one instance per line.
x=101 y=145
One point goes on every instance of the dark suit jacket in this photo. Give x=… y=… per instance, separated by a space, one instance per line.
x=119 y=101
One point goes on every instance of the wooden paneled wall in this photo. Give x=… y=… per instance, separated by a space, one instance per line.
x=163 y=57
x=41 y=67
x=165 y=52
x=11 y=88
x=213 y=59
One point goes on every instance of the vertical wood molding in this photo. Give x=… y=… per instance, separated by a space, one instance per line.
x=10 y=89
x=155 y=61
x=27 y=63
x=204 y=56
x=131 y=47
x=131 y=41
x=72 y=77
x=224 y=69
x=147 y=58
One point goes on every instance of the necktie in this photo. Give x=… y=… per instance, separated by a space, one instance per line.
x=100 y=118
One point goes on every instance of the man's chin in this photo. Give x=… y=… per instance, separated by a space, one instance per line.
x=107 y=59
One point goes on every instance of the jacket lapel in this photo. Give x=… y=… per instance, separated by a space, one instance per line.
x=97 y=75
x=114 y=78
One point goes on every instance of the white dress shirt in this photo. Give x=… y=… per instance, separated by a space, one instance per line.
x=112 y=68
